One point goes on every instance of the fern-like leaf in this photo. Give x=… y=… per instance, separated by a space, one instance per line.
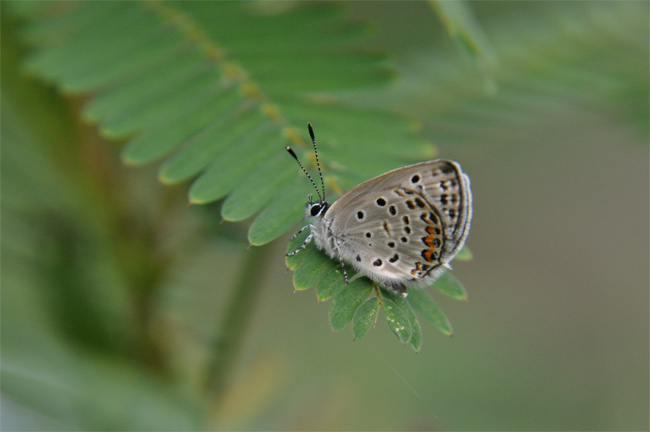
x=216 y=89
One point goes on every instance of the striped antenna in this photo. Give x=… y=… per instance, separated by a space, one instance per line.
x=292 y=153
x=313 y=140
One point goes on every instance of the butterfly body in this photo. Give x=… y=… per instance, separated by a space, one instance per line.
x=399 y=229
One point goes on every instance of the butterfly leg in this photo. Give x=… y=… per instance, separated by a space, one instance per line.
x=305 y=243
x=300 y=232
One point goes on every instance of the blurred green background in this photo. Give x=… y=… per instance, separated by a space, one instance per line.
x=116 y=294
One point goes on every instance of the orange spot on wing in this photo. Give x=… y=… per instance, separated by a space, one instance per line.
x=417 y=270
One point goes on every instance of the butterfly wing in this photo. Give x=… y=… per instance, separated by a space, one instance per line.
x=406 y=225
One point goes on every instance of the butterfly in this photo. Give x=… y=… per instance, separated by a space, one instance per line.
x=399 y=229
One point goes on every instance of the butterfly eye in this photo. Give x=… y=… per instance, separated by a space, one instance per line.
x=315 y=209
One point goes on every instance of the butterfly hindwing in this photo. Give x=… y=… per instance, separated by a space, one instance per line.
x=402 y=240
x=402 y=226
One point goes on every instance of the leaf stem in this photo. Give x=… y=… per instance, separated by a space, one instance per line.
x=236 y=319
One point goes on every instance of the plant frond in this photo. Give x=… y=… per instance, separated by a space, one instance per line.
x=214 y=88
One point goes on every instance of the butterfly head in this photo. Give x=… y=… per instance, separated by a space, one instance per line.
x=319 y=207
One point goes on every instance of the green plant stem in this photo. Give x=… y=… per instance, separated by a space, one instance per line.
x=236 y=319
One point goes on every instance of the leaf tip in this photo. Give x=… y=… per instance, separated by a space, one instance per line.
x=128 y=159
x=192 y=200
x=165 y=179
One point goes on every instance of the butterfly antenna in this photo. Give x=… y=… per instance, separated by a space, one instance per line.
x=313 y=140
x=292 y=153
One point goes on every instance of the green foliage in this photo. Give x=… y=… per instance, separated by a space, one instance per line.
x=218 y=101
x=448 y=285
x=402 y=320
x=313 y=268
x=224 y=101
x=215 y=103
x=589 y=56
x=212 y=92
x=423 y=304
x=460 y=22
x=71 y=336
x=365 y=317
x=347 y=302
x=398 y=321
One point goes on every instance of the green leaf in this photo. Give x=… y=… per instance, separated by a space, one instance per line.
x=135 y=94
x=423 y=304
x=209 y=144
x=293 y=245
x=330 y=283
x=314 y=265
x=174 y=123
x=464 y=255
x=217 y=88
x=593 y=60
x=407 y=313
x=346 y=303
x=448 y=285
x=283 y=212
x=459 y=20
x=416 y=338
x=258 y=188
x=365 y=318
x=398 y=321
x=236 y=163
